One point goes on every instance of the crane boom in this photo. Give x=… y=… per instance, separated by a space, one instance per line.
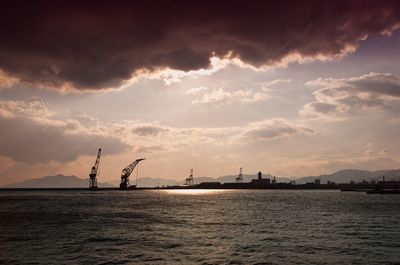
x=126 y=172
x=94 y=171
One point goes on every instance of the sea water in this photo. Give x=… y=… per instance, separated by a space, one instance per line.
x=199 y=227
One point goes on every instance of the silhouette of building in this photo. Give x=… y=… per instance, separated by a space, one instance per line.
x=274 y=180
x=260 y=180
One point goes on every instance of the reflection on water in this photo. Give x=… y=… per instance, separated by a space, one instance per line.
x=193 y=191
x=212 y=227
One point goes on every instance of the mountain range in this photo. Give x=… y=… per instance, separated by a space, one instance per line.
x=57 y=181
x=347 y=175
x=342 y=176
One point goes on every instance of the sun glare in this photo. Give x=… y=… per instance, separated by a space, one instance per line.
x=193 y=191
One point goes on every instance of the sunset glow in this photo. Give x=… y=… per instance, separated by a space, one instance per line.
x=309 y=95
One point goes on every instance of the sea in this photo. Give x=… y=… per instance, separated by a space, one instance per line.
x=199 y=227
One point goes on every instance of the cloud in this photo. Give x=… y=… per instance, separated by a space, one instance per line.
x=83 y=118
x=7 y=81
x=155 y=138
x=384 y=151
x=170 y=76
x=146 y=137
x=149 y=130
x=220 y=96
x=196 y=90
x=336 y=97
x=29 y=134
x=267 y=86
x=270 y=129
x=34 y=107
x=372 y=152
x=74 y=44
x=150 y=149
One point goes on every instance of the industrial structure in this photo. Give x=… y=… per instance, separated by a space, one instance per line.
x=94 y=172
x=239 y=179
x=372 y=187
x=190 y=180
x=260 y=181
x=126 y=172
x=375 y=186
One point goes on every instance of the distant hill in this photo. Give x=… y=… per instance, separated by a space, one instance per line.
x=57 y=181
x=342 y=176
x=347 y=175
x=154 y=182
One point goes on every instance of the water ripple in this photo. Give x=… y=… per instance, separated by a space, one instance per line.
x=225 y=227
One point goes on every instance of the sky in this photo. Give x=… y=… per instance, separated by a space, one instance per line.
x=286 y=87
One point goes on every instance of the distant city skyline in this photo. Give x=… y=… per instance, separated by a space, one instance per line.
x=212 y=86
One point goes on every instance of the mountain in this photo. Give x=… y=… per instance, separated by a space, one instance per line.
x=342 y=176
x=347 y=175
x=154 y=182
x=57 y=181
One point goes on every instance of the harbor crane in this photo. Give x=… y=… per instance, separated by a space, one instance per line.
x=190 y=181
x=126 y=172
x=94 y=172
x=239 y=179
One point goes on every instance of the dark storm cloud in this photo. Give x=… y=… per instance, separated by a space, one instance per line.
x=93 y=45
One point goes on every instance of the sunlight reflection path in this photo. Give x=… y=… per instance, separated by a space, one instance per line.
x=193 y=191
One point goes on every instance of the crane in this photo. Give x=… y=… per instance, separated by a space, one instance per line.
x=239 y=179
x=126 y=172
x=190 y=181
x=93 y=172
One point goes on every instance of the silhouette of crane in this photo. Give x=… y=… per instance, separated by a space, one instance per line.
x=190 y=180
x=239 y=179
x=126 y=172
x=93 y=172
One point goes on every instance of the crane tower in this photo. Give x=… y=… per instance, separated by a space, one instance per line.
x=94 y=171
x=190 y=180
x=126 y=172
x=239 y=179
